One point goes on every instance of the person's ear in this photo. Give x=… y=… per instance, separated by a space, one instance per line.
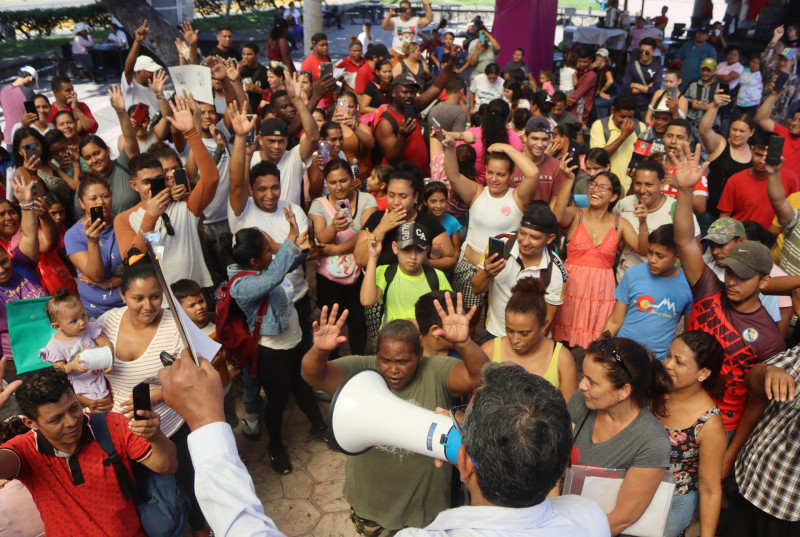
x=465 y=466
x=394 y=247
x=625 y=391
x=703 y=374
x=132 y=184
x=55 y=326
x=764 y=282
x=550 y=238
x=29 y=423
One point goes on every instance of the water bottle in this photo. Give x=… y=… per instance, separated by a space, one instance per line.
x=354 y=167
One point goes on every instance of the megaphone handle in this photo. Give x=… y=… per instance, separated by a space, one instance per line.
x=452 y=443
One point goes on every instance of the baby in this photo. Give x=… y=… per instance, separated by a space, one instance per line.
x=75 y=333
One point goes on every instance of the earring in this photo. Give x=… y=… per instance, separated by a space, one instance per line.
x=700 y=379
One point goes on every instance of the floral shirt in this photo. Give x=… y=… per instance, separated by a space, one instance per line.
x=684 y=459
x=751 y=87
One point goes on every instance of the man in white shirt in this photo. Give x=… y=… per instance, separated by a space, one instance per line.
x=508 y=474
x=404 y=27
x=365 y=37
x=117 y=36
x=529 y=256
x=138 y=73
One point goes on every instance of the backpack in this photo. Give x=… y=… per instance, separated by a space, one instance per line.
x=607 y=131
x=233 y=331
x=162 y=505
x=391 y=272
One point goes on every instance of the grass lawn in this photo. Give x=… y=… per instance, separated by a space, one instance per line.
x=46 y=43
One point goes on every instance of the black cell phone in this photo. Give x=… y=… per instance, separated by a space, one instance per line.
x=445 y=57
x=30 y=108
x=774 y=150
x=325 y=68
x=141 y=400
x=95 y=213
x=409 y=111
x=725 y=87
x=251 y=136
x=179 y=175
x=496 y=246
x=157 y=184
x=400 y=10
x=780 y=80
x=31 y=150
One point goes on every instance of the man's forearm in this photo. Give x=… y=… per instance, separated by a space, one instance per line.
x=164 y=455
x=481 y=282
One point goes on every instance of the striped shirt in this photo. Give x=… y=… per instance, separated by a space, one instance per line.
x=126 y=375
x=768 y=467
x=790 y=253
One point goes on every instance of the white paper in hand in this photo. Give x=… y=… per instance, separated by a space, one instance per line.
x=203 y=346
x=195 y=79
x=604 y=491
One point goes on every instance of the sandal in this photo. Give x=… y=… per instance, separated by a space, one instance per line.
x=280 y=461
x=320 y=434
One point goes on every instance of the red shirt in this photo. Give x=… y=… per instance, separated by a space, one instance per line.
x=348 y=65
x=791 y=152
x=364 y=75
x=746 y=338
x=95 y=506
x=745 y=197
x=311 y=64
x=416 y=151
x=86 y=112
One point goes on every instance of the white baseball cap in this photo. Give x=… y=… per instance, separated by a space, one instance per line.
x=602 y=52
x=146 y=63
x=30 y=71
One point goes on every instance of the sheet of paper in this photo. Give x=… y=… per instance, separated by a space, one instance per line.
x=604 y=492
x=195 y=79
x=202 y=345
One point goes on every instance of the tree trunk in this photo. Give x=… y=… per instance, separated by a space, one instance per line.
x=228 y=14
x=162 y=34
x=312 y=22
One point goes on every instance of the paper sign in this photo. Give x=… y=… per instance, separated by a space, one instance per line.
x=204 y=346
x=604 y=491
x=195 y=79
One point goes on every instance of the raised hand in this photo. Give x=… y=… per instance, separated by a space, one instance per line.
x=217 y=66
x=157 y=205
x=190 y=35
x=720 y=99
x=5 y=394
x=141 y=32
x=292 y=85
x=241 y=125
x=93 y=230
x=374 y=246
x=294 y=229
x=327 y=331
x=455 y=322
x=158 y=80
x=23 y=193
x=566 y=170
x=117 y=99
x=688 y=171
x=182 y=118
x=774 y=168
x=231 y=69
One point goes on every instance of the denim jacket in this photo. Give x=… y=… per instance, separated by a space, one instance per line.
x=248 y=290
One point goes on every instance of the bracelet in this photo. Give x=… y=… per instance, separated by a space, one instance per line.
x=26 y=205
x=26 y=208
x=160 y=95
x=644 y=232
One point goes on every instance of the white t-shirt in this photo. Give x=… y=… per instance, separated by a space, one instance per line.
x=276 y=226
x=291 y=338
x=656 y=219
x=136 y=93
x=725 y=69
x=404 y=31
x=118 y=39
x=486 y=91
x=292 y=169
x=565 y=79
x=656 y=34
x=365 y=41
x=217 y=210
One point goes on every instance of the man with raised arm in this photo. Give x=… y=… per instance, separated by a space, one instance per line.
x=731 y=311
x=138 y=73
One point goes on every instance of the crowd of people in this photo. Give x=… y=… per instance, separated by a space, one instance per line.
x=602 y=270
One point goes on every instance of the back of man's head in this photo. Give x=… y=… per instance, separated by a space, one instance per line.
x=518 y=432
x=43 y=387
x=454 y=85
x=425 y=312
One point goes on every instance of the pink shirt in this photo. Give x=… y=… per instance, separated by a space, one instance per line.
x=81 y=45
x=480 y=151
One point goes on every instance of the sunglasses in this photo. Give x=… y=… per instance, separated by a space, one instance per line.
x=168 y=224
x=607 y=344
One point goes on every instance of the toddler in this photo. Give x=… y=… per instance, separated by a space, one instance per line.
x=75 y=333
x=546 y=81
x=568 y=73
x=377 y=184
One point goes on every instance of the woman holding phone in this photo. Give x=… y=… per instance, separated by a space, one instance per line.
x=337 y=219
x=38 y=118
x=358 y=138
x=32 y=162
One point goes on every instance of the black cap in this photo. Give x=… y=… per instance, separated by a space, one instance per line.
x=539 y=217
x=317 y=37
x=274 y=127
x=405 y=79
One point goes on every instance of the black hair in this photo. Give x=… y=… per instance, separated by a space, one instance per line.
x=651 y=166
x=584 y=52
x=317 y=37
x=466 y=156
x=747 y=119
x=162 y=151
x=59 y=80
x=513 y=84
x=492 y=69
x=91 y=139
x=566 y=129
x=61 y=298
x=262 y=169
x=518 y=431
x=521 y=117
x=54 y=136
x=186 y=288
x=277 y=31
x=646 y=375
x=52 y=199
x=278 y=94
x=252 y=45
x=680 y=122
x=599 y=156
x=143 y=161
x=624 y=101
x=42 y=387
x=249 y=243
x=376 y=50
x=527 y=296
x=41 y=96
x=708 y=353
x=559 y=97
x=11 y=428
x=383 y=172
x=337 y=164
x=616 y=186
x=327 y=127
x=543 y=102
x=503 y=157
x=136 y=268
x=401 y=330
x=649 y=41
x=756 y=232
x=28 y=132
x=760 y=140
x=432 y=188
x=63 y=113
x=408 y=176
x=493 y=124
x=454 y=85
x=425 y=312
x=87 y=179
x=222 y=27
x=664 y=236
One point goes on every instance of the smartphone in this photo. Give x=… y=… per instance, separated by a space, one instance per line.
x=341 y=110
x=31 y=150
x=496 y=246
x=141 y=399
x=180 y=178
x=251 y=136
x=780 y=80
x=445 y=57
x=36 y=189
x=324 y=151
x=437 y=129
x=312 y=238
x=95 y=213
x=774 y=150
x=30 y=108
x=725 y=87
x=157 y=184
x=140 y=113
x=325 y=68
x=343 y=207
x=482 y=37
x=672 y=93
x=409 y=111
x=400 y=10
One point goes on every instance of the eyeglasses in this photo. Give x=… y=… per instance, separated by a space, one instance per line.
x=594 y=185
x=607 y=343
x=168 y=224
x=645 y=51
x=460 y=427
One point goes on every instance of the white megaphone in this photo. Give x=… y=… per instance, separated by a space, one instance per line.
x=364 y=413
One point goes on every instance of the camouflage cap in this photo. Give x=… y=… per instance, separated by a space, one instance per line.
x=748 y=259
x=724 y=230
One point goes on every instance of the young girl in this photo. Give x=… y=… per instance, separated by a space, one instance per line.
x=434 y=202
x=568 y=70
x=678 y=108
x=751 y=87
x=351 y=63
x=546 y=81
x=377 y=184
x=76 y=333
x=58 y=213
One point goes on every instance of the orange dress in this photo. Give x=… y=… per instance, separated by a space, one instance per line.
x=589 y=290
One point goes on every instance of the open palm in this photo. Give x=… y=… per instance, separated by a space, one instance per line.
x=455 y=323
x=182 y=118
x=327 y=332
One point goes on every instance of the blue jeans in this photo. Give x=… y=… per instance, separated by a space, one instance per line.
x=681 y=514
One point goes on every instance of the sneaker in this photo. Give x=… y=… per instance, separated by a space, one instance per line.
x=251 y=433
x=320 y=434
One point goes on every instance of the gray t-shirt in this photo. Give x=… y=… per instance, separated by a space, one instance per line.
x=450 y=116
x=365 y=201
x=643 y=443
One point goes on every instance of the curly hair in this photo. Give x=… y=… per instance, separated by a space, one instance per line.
x=43 y=387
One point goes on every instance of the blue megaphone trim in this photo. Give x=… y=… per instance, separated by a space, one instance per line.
x=452 y=443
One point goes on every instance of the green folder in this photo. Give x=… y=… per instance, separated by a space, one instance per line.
x=28 y=330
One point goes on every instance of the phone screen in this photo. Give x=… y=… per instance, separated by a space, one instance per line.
x=180 y=178
x=30 y=108
x=673 y=93
x=157 y=184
